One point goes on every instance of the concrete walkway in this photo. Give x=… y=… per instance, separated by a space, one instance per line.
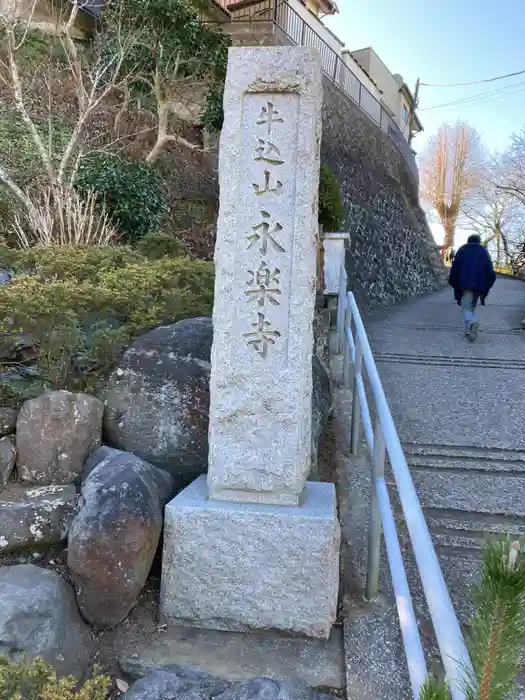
x=459 y=409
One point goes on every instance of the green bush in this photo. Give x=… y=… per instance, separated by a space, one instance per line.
x=131 y=192
x=80 y=263
x=160 y=245
x=68 y=313
x=331 y=210
x=36 y=680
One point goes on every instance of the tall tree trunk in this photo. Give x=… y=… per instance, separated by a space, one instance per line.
x=498 y=243
x=450 y=228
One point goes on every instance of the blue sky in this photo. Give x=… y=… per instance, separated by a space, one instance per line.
x=447 y=41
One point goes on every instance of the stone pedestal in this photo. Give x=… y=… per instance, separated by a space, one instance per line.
x=231 y=566
x=255 y=547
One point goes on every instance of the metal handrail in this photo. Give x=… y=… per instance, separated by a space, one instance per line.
x=301 y=33
x=337 y=70
x=383 y=440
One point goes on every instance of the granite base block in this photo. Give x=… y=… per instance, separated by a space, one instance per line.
x=240 y=567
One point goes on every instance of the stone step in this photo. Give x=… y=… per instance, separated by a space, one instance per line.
x=500 y=494
x=464 y=457
x=442 y=360
x=470 y=481
x=237 y=656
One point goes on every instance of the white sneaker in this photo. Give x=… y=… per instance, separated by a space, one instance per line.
x=473 y=335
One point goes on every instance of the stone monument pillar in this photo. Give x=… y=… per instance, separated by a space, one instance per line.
x=255 y=546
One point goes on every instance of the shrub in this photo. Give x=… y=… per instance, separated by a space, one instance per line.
x=61 y=216
x=131 y=192
x=36 y=680
x=331 y=210
x=68 y=313
x=80 y=263
x=160 y=245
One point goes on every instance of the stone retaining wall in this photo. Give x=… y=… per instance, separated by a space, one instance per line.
x=392 y=252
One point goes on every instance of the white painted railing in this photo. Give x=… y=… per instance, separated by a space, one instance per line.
x=382 y=439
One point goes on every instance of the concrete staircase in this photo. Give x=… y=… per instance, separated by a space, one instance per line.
x=459 y=411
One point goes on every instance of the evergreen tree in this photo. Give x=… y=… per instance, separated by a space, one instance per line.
x=497 y=629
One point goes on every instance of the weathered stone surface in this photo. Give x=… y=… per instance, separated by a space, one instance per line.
x=157 y=400
x=54 y=435
x=251 y=566
x=234 y=657
x=261 y=379
x=96 y=457
x=113 y=538
x=7 y=420
x=179 y=682
x=176 y=682
x=35 y=516
x=7 y=460
x=39 y=617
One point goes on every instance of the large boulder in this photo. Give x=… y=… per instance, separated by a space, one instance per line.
x=179 y=682
x=39 y=618
x=114 y=537
x=157 y=400
x=176 y=682
x=54 y=434
x=34 y=517
x=7 y=461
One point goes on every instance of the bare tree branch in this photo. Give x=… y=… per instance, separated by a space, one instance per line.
x=496 y=214
x=451 y=167
x=15 y=83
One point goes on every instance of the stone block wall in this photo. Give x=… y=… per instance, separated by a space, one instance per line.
x=392 y=252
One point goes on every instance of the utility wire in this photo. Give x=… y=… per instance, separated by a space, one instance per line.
x=472 y=99
x=472 y=105
x=475 y=82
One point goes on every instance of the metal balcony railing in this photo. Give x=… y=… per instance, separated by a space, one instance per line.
x=301 y=33
x=383 y=441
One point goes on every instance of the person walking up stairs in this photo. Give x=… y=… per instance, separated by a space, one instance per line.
x=471 y=276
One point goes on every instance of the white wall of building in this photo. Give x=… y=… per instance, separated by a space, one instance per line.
x=390 y=86
x=360 y=74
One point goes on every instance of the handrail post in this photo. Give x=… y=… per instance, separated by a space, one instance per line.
x=341 y=309
x=374 y=533
x=356 y=409
x=346 y=349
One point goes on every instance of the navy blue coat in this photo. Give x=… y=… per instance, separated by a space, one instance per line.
x=472 y=269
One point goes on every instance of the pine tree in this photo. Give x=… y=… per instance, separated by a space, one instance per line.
x=434 y=690
x=497 y=629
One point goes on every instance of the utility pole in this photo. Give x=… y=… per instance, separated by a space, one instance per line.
x=413 y=108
